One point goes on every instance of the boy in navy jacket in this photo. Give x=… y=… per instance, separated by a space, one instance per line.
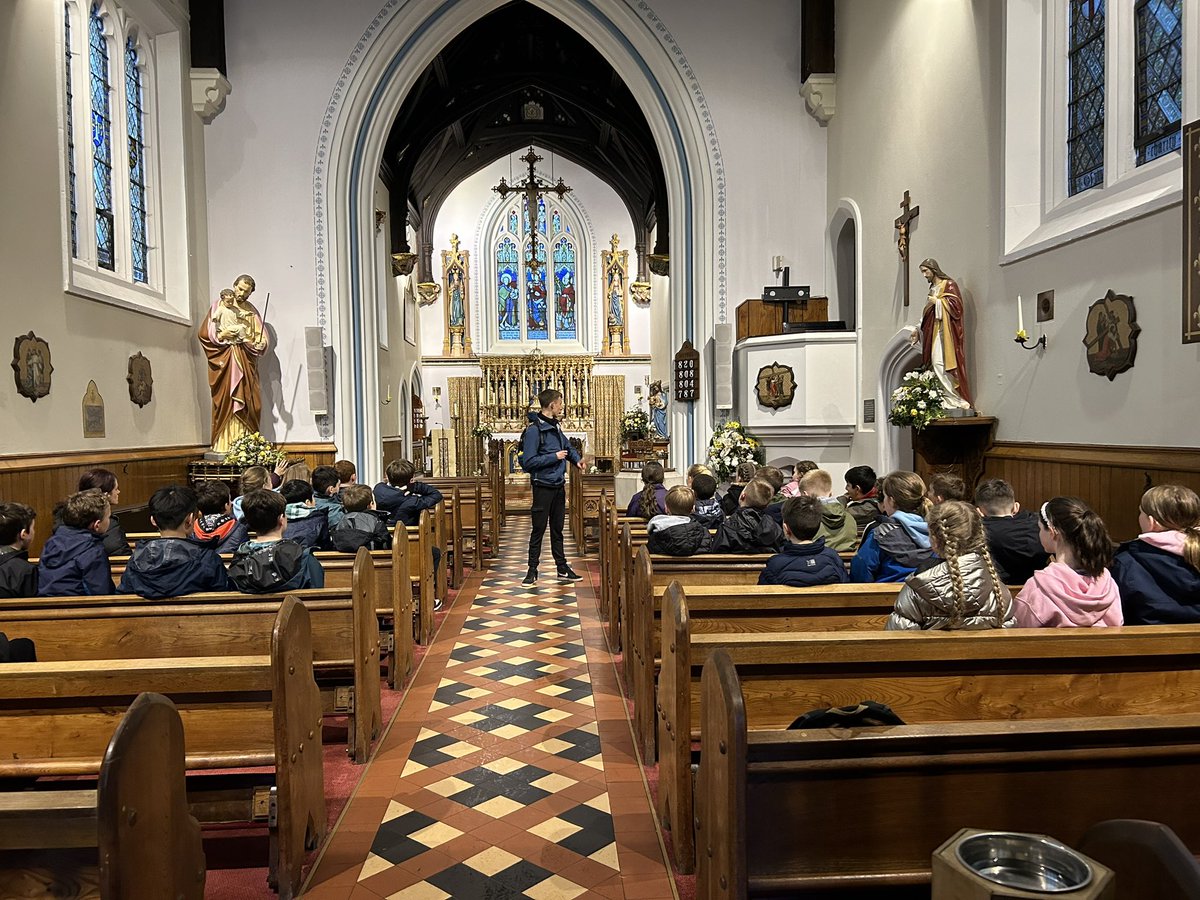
x=73 y=562
x=805 y=560
x=402 y=498
x=173 y=564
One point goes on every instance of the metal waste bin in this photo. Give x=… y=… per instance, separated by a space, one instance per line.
x=1004 y=865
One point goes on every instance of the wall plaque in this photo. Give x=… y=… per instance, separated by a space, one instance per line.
x=687 y=373
x=1111 y=337
x=32 y=366
x=93 y=412
x=776 y=386
x=141 y=380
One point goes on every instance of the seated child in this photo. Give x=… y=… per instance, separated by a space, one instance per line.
x=708 y=510
x=898 y=544
x=963 y=591
x=775 y=477
x=838 y=527
x=676 y=532
x=651 y=500
x=347 y=474
x=363 y=525
x=173 y=565
x=216 y=524
x=402 y=498
x=1158 y=574
x=749 y=529
x=73 y=562
x=862 y=497
x=1076 y=590
x=269 y=563
x=307 y=525
x=18 y=576
x=729 y=501
x=1012 y=533
x=253 y=479
x=946 y=486
x=805 y=560
x=115 y=542
x=325 y=493
x=791 y=487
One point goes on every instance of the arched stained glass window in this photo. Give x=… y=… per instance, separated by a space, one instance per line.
x=565 y=322
x=101 y=90
x=508 y=290
x=135 y=127
x=557 y=221
x=69 y=62
x=1158 y=78
x=512 y=221
x=537 y=326
x=1085 y=93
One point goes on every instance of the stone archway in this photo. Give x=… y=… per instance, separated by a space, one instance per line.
x=899 y=355
x=394 y=50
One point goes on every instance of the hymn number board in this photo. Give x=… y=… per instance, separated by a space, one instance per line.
x=687 y=373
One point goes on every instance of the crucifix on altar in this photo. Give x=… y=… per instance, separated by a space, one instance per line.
x=531 y=187
x=902 y=225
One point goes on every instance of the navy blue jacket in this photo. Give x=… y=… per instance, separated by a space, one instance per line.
x=748 y=530
x=1157 y=587
x=404 y=504
x=311 y=531
x=540 y=443
x=74 y=564
x=805 y=565
x=172 y=567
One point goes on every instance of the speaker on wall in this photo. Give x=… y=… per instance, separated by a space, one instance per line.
x=315 y=359
x=723 y=365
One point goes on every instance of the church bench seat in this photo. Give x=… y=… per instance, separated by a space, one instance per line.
x=584 y=492
x=343 y=625
x=806 y=813
x=483 y=524
x=926 y=677
x=237 y=712
x=157 y=851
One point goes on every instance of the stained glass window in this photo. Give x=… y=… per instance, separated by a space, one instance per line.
x=557 y=220
x=101 y=138
x=1159 y=78
x=1085 y=92
x=135 y=126
x=512 y=221
x=541 y=214
x=508 y=290
x=565 y=327
x=537 y=325
x=71 y=132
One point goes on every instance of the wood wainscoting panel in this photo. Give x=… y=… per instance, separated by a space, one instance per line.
x=1110 y=479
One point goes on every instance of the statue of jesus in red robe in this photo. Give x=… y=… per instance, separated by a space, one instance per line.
x=942 y=348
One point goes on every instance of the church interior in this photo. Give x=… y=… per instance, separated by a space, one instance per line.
x=382 y=230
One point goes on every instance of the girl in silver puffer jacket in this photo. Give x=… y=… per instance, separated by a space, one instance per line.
x=960 y=591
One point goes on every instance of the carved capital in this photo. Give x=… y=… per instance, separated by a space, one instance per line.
x=403 y=263
x=820 y=96
x=209 y=90
x=640 y=292
x=427 y=293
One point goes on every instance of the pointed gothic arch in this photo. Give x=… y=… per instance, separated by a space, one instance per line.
x=396 y=47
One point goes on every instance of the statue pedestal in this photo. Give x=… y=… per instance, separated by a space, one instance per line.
x=954 y=445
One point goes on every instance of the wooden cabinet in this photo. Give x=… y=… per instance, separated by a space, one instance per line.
x=757 y=319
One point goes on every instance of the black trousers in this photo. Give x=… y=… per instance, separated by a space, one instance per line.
x=549 y=507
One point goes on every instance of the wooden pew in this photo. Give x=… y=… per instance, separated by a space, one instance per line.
x=926 y=677
x=468 y=500
x=488 y=516
x=237 y=711
x=155 y=851
x=421 y=539
x=583 y=494
x=806 y=813
x=454 y=536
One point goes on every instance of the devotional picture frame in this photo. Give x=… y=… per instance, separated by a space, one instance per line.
x=141 y=380
x=775 y=386
x=1110 y=339
x=32 y=366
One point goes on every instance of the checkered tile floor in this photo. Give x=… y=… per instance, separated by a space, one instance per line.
x=510 y=770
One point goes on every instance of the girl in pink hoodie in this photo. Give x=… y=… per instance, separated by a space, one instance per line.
x=1076 y=590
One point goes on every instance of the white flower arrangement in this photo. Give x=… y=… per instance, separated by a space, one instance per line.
x=635 y=425
x=729 y=446
x=253 y=450
x=918 y=400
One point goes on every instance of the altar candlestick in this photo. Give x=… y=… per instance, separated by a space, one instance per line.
x=1020 y=315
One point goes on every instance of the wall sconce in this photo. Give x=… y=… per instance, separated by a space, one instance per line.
x=1023 y=339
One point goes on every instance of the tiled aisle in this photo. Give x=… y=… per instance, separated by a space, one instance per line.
x=510 y=770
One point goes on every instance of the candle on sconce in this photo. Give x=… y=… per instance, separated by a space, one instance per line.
x=1020 y=317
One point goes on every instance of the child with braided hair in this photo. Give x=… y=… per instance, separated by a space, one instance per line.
x=962 y=591
x=1158 y=573
x=1076 y=590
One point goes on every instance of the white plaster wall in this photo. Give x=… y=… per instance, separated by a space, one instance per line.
x=285 y=59
x=88 y=340
x=937 y=132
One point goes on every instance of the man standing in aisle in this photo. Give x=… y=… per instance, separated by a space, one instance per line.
x=545 y=452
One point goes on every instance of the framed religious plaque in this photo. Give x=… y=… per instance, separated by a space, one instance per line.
x=93 y=412
x=32 y=366
x=1111 y=337
x=776 y=386
x=141 y=380
x=687 y=373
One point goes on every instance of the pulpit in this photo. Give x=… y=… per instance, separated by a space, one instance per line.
x=954 y=446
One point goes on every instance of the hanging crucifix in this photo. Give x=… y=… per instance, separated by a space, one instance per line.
x=531 y=187
x=902 y=225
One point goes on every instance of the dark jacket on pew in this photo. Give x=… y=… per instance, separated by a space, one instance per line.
x=747 y=531
x=73 y=564
x=805 y=565
x=18 y=576
x=172 y=567
x=308 y=526
x=676 y=536
x=222 y=531
x=272 y=567
x=1015 y=546
x=364 y=528
x=404 y=504
x=1157 y=586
